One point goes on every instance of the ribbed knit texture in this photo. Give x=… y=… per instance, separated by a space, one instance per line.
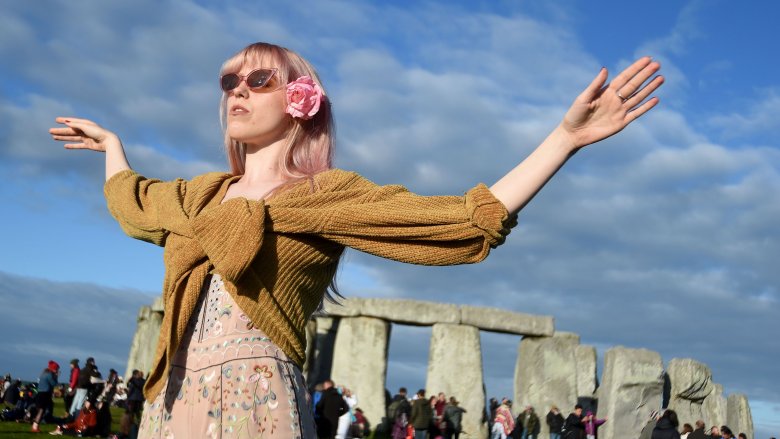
x=278 y=256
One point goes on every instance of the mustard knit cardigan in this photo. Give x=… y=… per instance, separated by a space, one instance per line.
x=277 y=256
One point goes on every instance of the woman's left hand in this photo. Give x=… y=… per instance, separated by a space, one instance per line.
x=603 y=110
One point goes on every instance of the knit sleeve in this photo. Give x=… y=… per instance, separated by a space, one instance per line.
x=391 y=222
x=144 y=207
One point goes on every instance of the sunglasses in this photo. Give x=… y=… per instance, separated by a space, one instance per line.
x=255 y=79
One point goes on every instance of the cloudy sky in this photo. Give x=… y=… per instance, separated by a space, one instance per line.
x=662 y=237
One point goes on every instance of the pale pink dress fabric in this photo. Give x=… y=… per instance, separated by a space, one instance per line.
x=229 y=380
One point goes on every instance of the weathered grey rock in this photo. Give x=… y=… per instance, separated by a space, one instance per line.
x=499 y=320
x=546 y=374
x=158 y=305
x=144 y=341
x=738 y=418
x=691 y=382
x=631 y=386
x=714 y=407
x=360 y=362
x=345 y=308
x=320 y=355
x=586 y=370
x=455 y=368
x=413 y=312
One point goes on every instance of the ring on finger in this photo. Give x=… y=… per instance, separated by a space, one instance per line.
x=623 y=98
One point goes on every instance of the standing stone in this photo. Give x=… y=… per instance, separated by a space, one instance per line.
x=455 y=368
x=714 y=407
x=546 y=374
x=739 y=419
x=586 y=370
x=320 y=357
x=144 y=341
x=631 y=386
x=691 y=383
x=360 y=363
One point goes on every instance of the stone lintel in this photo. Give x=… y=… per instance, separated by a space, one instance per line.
x=411 y=312
x=424 y=313
x=510 y=322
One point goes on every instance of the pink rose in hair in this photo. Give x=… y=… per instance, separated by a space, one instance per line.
x=303 y=98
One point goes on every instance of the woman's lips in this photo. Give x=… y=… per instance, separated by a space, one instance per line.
x=238 y=110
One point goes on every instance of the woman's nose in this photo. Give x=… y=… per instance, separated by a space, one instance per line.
x=242 y=90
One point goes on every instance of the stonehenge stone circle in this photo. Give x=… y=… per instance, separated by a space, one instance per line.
x=546 y=374
x=691 y=383
x=714 y=408
x=586 y=370
x=348 y=343
x=738 y=417
x=360 y=362
x=631 y=387
x=144 y=341
x=455 y=368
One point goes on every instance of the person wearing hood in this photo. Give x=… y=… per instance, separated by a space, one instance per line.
x=46 y=384
x=592 y=424
x=666 y=428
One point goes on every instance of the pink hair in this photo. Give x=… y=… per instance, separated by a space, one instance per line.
x=310 y=143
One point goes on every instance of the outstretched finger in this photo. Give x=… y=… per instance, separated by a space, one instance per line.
x=595 y=86
x=67 y=138
x=623 y=77
x=67 y=120
x=646 y=91
x=640 y=110
x=75 y=146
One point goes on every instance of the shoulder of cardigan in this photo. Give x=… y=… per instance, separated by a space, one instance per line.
x=217 y=184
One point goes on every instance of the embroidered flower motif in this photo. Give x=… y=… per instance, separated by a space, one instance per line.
x=213 y=431
x=261 y=373
x=217 y=328
x=303 y=98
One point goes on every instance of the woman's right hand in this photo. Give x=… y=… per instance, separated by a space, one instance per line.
x=84 y=134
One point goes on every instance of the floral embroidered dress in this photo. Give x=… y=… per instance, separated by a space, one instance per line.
x=228 y=380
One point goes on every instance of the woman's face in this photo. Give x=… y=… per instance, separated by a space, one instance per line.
x=257 y=117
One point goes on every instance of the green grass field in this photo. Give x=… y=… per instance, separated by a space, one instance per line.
x=13 y=430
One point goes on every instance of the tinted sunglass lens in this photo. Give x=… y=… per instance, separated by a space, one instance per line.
x=259 y=78
x=230 y=81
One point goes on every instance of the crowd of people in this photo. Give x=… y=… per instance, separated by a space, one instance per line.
x=87 y=397
x=336 y=413
x=666 y=425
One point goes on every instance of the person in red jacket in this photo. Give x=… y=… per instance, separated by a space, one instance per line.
x=84 y=423
x=72 y=382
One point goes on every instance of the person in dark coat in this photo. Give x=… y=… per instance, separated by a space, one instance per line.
x=422 y=415
x=698 y=432
x=666 y=428
x=43 y=399
x=329 y=408
x=573 y=426
x=453 y=418
x=555 y=422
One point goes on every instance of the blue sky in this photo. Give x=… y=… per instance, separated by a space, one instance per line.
x=662 y=237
